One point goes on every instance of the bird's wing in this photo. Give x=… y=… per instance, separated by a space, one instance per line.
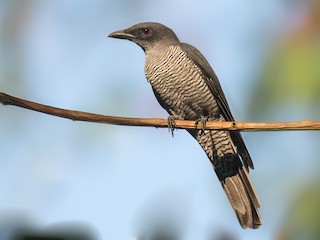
x=214 y=85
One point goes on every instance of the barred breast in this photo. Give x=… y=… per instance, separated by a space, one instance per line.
x=178 y=84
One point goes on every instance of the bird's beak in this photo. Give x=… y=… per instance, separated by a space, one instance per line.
x=122 y=34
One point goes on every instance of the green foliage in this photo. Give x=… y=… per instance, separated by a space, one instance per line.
x=291 y=77
x=303 y=220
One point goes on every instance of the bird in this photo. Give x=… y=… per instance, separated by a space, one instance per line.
x=186 y=86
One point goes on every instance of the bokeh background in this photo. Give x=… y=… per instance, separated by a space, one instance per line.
x=112 y=182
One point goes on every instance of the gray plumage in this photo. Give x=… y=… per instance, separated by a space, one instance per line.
x=187 y=87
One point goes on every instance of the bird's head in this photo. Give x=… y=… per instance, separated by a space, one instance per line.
x=147 y=35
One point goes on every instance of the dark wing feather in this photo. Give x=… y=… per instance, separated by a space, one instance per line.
x=214 y=85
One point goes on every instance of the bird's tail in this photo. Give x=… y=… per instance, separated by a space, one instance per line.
x=243 y=198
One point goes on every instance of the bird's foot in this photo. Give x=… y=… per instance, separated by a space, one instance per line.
x=203 y=120
x=171 y=124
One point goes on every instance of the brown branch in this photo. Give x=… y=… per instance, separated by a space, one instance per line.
x=156 y=122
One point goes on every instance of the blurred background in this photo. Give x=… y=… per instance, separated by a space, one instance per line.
x=111 y=182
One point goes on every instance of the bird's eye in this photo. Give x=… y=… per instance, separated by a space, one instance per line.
x=145 y=31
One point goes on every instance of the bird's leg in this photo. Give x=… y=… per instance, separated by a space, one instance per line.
x=203 y=121
x=171 y=124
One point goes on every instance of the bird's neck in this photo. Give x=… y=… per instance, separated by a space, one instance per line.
x=158 y=49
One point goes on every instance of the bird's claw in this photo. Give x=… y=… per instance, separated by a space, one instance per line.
x=171 y=124
x=203 y=120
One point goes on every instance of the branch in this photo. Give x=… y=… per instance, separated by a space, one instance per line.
x=156 y=122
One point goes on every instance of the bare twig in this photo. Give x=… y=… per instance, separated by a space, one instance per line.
x=156 y=122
